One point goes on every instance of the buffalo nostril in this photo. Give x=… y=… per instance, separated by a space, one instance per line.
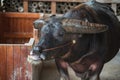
x=37 y=49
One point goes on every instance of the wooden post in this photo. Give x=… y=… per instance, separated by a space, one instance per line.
x=53 y=7
x=25 y=5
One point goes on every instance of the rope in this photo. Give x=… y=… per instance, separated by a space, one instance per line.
x=58 y=47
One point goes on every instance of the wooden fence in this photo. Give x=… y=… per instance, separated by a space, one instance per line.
x=13 y=61
x=15 y=30
x=16 y=27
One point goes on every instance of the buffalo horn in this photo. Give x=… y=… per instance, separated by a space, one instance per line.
x=78 y=26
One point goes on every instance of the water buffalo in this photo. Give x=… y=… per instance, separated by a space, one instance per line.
x=84 y=38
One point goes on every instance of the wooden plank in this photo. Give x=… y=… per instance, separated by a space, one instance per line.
x=23 y=63
x=53 y=7
x=25 y=5
x=19 y=15
x=21 y=25
x=10 y=63
x=17 y=58
x=3 y=63
x=17 y=35
x=5 y=25
x=28 y=26
x=28 y=65
x=14 y=58
x=14 y=24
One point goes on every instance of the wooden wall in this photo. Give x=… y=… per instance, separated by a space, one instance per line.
x=13 y=62
x=16 y=27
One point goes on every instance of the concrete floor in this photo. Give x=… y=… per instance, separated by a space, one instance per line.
x=111 y=70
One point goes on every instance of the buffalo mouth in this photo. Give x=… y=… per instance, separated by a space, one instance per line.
x=35 y=58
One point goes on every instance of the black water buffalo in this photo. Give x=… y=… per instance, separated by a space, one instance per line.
x=84 y=38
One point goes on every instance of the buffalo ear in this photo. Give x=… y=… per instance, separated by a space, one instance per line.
x=38 y=23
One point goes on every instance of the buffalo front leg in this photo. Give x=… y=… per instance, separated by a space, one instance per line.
x=100 y=70
x=62 y=68
x=97 y=76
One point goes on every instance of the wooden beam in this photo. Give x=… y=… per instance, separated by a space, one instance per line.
x=17 y=35
x=103 y=1
x=19 y=15
x=62 y=0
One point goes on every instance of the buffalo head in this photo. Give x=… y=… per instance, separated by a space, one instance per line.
x=59 y=34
